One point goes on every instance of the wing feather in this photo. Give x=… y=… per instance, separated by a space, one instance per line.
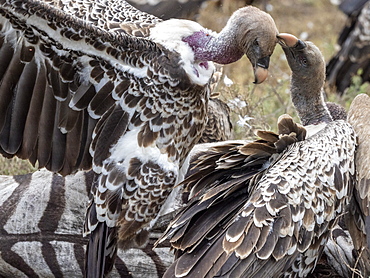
x=46 y=127
x=58 y=146
x=114 y=126
x=8 y=85
x=31 y=127
x=23 y=92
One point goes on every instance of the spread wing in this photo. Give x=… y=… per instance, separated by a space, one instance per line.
x=268 y=218
x=61 y=77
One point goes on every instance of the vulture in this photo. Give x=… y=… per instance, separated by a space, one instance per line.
x=102 y=85
x=354 y=52
x=266 y=208
x=358 y=216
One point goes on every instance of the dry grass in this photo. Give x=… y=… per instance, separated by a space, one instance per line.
x=317 y=20
x=15 y=166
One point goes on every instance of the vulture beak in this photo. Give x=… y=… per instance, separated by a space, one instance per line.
x=287 y=40
x=260 y=70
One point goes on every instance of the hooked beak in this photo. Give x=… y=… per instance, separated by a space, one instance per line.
x=261 y=70
x=287 y=40
x=290 y=44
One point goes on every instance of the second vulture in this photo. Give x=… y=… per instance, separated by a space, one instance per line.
x=265 y=209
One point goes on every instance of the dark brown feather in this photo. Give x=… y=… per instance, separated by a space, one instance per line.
x=73 y=150
x=190 y=262
x=6 y=55
x=58 y=147
x=31 y=126
x=104 y=239
x=60 y=89
x=8 y=84
x=84 y=160
x=46 y=127
x=281 y=248
x=27 y=53
x=83 y=95
x=112 y=129
x=103 y=99
x=66 y=116
x=269 y=246
x=249 y=242
x=23 y=94
x=206 y=222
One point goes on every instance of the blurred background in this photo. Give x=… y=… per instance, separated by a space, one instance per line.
x=252 y=106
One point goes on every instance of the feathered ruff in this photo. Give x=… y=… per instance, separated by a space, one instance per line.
x=250 y=215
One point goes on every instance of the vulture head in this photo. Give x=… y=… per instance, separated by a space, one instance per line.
x=256 y=36
x=304 y=58
x=308 y=74
x=249 y=31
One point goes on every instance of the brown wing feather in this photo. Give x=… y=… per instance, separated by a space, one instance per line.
x=23 y=92
x=31 y=127
x=46 y=127
x=114 y=126
x=8 y=85
x=102 y=251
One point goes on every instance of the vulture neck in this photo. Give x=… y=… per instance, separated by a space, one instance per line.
x=221 y=48
x=308 y=100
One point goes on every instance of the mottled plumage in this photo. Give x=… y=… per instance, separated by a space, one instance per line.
x=354 y=53
x=219 y=126
x=265 y=209
x=100 y=84
x=358 y=217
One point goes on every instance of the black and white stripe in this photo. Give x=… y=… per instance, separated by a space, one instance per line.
x=41 y=232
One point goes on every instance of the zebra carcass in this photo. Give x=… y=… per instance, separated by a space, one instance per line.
x=41 y=220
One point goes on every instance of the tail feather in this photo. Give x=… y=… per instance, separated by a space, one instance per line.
x=101 y=251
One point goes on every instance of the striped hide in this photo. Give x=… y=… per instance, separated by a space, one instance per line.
x=41 y=216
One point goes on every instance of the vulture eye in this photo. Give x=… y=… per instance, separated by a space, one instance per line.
x=255 y=43
x=304 y=61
